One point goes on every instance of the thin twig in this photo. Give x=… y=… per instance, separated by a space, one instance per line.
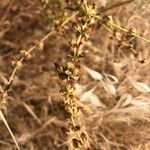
x=8 y=128
x=53 y=31
x=124 y=30
x=116 y=5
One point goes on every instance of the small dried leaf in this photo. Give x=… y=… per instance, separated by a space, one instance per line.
x=96 y=101
x=124 y=100
x=109 y=87
x=13 y=63
x=140 y=86
x=142 y=103
x=94 y=74
x=83 y=137
x=41 y=45
x=24 y=53
x=76 y=143
x=111 y=78
x=80 y=88
x=86 y=95
x=18 y=64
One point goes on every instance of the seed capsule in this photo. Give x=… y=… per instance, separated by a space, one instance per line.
x=83 y=137
x=24 y=53
x=76 y=143
x=41 y=45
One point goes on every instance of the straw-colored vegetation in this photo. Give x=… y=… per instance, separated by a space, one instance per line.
x=74 y=75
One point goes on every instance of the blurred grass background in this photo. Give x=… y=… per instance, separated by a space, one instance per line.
x=32 y=111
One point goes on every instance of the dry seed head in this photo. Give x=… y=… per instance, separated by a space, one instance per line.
x=132 y=31
x=41 y=45
x=70 y=65
x=17 y=63
x=131 y=34
x=69 y=90
x=76 y=71
x=13 y=63
x=92 y=20
x=76 y=111
x=71 y=69
x=77 y=128
x=24 y=53
x=117 y=35
x=83 y=137
x=88 y=9
x=107 y=20
x=76 y=143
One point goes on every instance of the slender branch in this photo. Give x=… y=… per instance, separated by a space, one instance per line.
x=116 y=5
x=123 y=29
x=8 y=128
x=53 y=31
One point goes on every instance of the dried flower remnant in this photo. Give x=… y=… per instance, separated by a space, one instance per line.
x=69 y=73
x=126 y=40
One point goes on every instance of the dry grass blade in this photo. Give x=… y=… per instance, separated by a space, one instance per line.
x=109 y=87
x=94 y=74
x=117 y=5
x=26 y=137
x=28 y=108
x=140 y=86
x=8 y=128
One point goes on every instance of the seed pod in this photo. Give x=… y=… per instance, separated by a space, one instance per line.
x=24 y=53
x=70 y=65
x=131 y=34
x=76 y=71
x=76 y=143
x=76 y=111
x=83 y=137
x=77 y=128
x=64 y=130
x=70 y=90
x=117 y=35
x=17 y=63
x=41 y=45
x=107 y=20
x=13 y=63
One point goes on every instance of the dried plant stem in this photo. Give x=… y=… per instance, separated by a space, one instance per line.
x=8 y=128
x=53 y=31
x=19 y=63
x=116 y=5
x=111 y=23
x=125 y=30
x=118 y=39
x=69 y=73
